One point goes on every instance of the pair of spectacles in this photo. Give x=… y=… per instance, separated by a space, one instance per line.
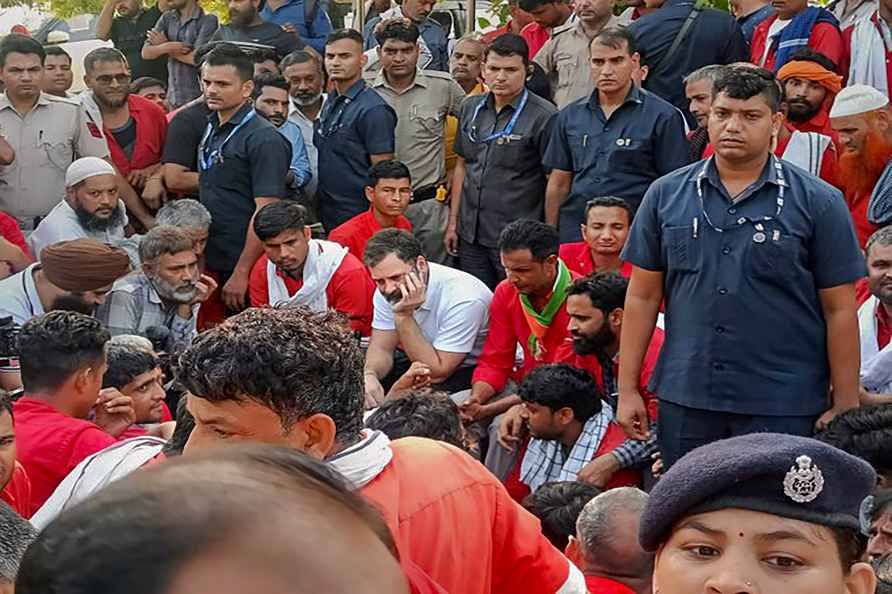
x=107 y=79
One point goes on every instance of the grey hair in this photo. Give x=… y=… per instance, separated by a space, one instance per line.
x=132 y=341
x=594 y=526
x=17 y=535
x=882 y=236
x=164 y=239
x=710 y=73
x=185 y=213
x=472 y=38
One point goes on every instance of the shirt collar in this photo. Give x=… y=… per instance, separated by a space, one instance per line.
x=768 y=176
x=490 y=101
x=635 y=95
x=235 y=120
x=199 y=12
x=353 y=92
x=5 y=102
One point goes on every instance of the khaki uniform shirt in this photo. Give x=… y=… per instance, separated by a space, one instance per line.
x=565 y=59
x=421 y=118
x=50 y=136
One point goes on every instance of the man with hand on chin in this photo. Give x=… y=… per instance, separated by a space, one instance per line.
x=756 y=261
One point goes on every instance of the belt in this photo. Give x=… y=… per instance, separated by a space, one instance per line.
x=424 y=194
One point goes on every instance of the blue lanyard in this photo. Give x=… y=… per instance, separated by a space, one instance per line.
x=208 y=158
x=506 y=132
x=757 y=222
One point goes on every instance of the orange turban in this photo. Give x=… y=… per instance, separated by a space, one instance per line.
x=813 y=72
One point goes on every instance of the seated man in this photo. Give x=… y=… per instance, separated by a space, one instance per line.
x=863 y=432
x=434 y=314
x=810 y=85
x=14 y=253
x=166 y=292
x=607 y=222
x=569 y=425
x=62 y=357
x=432 y=415
x=15 y=486
x=91 y=208
x=315 y=403
x=298 y=270
x=605 y=546
x=875 y=321
x=389 y=193
x=136 y=372
x=192 y=217
x=557 y=505
x=17 y=536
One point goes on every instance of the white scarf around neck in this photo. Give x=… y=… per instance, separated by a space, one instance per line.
x=876 y=364
x=323 y=260
x=363 y=461
x=868 y=66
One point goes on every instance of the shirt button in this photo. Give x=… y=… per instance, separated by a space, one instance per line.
x=726 y=250
x=718 y=366
x=723 y=291
x=719 y=329
x=732 y=211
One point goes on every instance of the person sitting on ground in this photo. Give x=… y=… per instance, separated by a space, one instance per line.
x=605 y=545
x=557 y=505
x=424 y=312
x=136 y=372
x=191 y=216
x=15 y=486
x=315 y=403
x=91 y=208
x=865 y=432
x=432 y=415
x=14 y=253
x=18 y=534
x=389 y=192
x=882 y=567
x=166 y=292
x=246 y=519
x=607 y=222
x=875 y=321
x=879 y=523
x=298 y=270
x=569 y=424
x=62 y=358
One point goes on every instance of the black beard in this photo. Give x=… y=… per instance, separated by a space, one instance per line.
x=593 y=345
x=799 y=112
x=72 y=302
x=90 y=222
x=102 y=102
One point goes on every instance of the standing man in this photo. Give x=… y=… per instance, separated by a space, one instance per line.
x=616 y=142
x=125 y=23
x=565 y=57
x=862 y=117
x=176 y=35
x=548 y=15
x=303 y=71
x=245 y=24
x=243 y=161
x=698 y=91
x=307 y=18
x=57 y=74
x=749 y=13
x=713 y=38
x=499 y=176
x=867 y=44
x=810 y=85
x=422 y=99
x=271 y=101
x=741 y=247
x=433 y=37
x=355 y=130
x=796 y=25
x=466 y=68
x=46 y=133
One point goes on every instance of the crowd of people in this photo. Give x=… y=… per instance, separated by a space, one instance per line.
x=597 y=301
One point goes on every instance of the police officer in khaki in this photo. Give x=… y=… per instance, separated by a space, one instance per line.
x=421 y=99
x=46 y=133
x=565 y=57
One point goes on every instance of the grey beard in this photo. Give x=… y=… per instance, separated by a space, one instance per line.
x=91 y=222
x=306 y=102
x=168 y=292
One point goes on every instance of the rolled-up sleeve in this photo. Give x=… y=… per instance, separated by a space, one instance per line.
x=497 y=359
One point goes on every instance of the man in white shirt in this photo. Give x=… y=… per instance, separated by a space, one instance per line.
x=91 y=208
x=875 y=321
x=436 y=315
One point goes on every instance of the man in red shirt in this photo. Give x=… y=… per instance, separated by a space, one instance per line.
x=389 y=192
x=810 y=85
x=607 y=221
x=547 y=15
x=14 y=254
x=298 y=270
x=134 y=127
x=62 y=358
x=448 y=514
x=518 y=21
x=862 y=117
x=796 y=25
x=15 y=486
x=606 y=545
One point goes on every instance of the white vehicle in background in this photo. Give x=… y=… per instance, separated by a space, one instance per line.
x=77 y=36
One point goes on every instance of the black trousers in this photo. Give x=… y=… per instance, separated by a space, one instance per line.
x=481 y=261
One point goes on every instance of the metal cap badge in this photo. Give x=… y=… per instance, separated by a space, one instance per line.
x=804 y=482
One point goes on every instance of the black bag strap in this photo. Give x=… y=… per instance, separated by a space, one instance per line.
x=682 y=33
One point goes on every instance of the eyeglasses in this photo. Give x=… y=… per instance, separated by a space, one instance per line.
x=106 y=79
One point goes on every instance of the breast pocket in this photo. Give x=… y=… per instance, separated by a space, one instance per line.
x=627 y=154
x=511 y=154
x=429 y=121
x=682 y=249
x=581 y=150
x=565 y=64
x=56 y=147
x=773 y=260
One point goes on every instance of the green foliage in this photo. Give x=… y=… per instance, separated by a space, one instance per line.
x=69 y=8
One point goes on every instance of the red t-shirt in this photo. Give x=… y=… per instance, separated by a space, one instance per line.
x=858 y=204
x=50 y=444
x=10 y=231
x=356 y=232
x=17 y=493
x=535 y=35
x=600 y=585
x=350 y=291
x=507 y=328
x=151 y=130
x=578 y=258
x=824 y=38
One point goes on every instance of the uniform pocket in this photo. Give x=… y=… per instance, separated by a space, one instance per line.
x=58 y=149
x=682 y=249
x=774 y=259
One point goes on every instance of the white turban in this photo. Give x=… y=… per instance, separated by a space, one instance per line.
x=85 y=168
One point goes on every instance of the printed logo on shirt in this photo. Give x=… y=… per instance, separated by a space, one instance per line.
x=95 y=132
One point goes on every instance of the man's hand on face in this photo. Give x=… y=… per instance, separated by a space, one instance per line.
x=414 y=291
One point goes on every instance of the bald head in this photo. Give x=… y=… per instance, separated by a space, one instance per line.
x=242 y=519
x=607 y=534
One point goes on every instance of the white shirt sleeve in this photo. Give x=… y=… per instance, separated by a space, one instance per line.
x=460 y=325
x=383 y=316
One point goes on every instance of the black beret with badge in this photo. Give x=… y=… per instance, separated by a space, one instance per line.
x=784 y=475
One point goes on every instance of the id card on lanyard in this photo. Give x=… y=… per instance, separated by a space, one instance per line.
x=208 y=157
